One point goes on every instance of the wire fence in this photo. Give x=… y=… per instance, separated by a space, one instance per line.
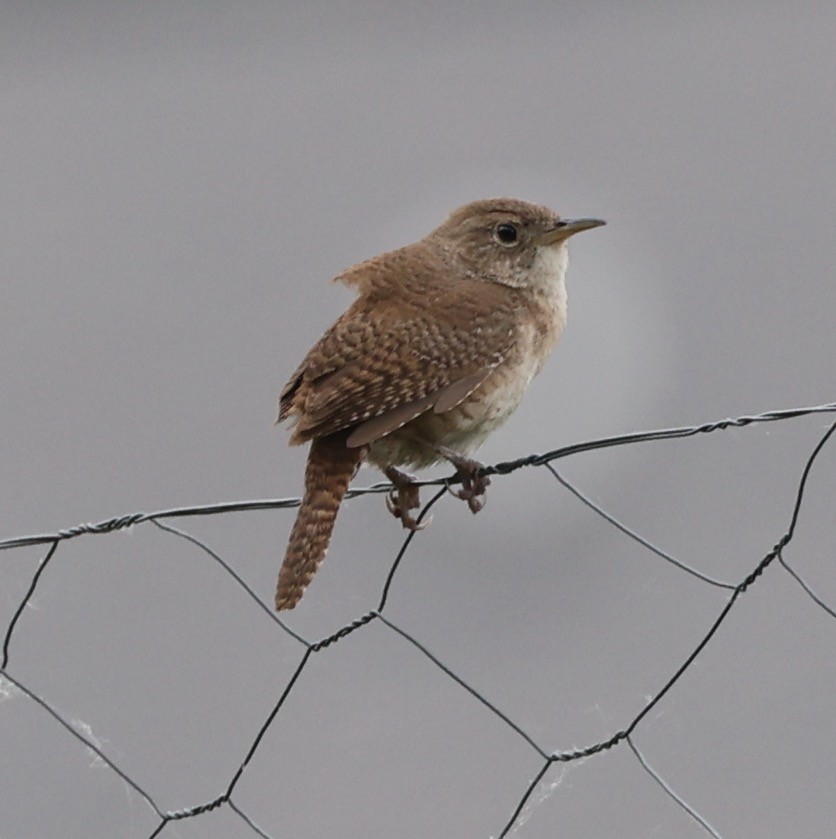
x=10 y=682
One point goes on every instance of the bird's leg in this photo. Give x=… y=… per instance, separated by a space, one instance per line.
x=473 y=485
x=404 y=496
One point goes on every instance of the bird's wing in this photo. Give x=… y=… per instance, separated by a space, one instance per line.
x=374 y=373
x=461 y=386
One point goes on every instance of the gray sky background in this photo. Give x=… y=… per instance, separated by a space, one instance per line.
x=180 y=181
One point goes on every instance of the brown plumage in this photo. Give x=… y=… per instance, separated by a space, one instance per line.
x=436 y=351
x=331 y=466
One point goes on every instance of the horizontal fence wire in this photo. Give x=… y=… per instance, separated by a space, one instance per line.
x=549 y=756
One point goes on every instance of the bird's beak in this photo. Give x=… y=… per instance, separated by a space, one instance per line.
x=568 y=227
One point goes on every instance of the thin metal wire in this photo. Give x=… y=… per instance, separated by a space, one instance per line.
x=797 y=577
x=472 y=691
x=89 y=744
x=121 y=522
x=235 y=576
x=670 y=791
x=585 y=499
x=312 y=648
x=7 y=640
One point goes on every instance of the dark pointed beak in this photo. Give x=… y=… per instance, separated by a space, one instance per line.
x=568 y=227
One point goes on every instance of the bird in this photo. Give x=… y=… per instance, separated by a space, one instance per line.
x=435 y=353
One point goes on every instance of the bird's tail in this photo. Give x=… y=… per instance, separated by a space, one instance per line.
x=331 y=466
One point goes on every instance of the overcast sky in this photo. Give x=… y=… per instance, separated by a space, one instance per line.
x=180 y=181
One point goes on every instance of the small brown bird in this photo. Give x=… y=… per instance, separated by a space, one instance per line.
x=435 y=353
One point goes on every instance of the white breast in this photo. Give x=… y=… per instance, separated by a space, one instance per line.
x=465 y=427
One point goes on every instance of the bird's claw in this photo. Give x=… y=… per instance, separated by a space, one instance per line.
x=403 y=497
x=473 y=486
x=399 y=507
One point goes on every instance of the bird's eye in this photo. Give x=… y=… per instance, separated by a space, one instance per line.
x=506 y=234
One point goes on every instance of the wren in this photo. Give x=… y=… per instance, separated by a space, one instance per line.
x=436 y=352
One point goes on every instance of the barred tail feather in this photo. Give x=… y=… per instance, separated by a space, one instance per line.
x=331 y=466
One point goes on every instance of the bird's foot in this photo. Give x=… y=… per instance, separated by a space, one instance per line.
x=403 y=497
x=473 y=484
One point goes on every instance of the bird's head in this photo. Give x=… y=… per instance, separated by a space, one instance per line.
x=509 y=241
